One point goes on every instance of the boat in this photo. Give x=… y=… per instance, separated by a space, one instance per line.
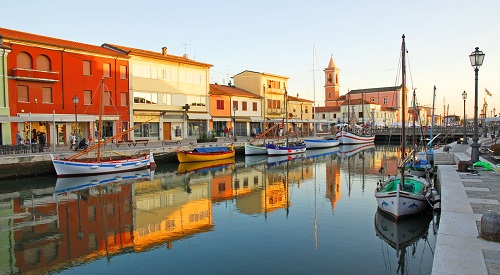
x=201 y=166
x=205 y=153
x=403 y=194
x=252 y=148
x=317 y=142
x=346 y=151
x=348 y=137
x=72 y=166
x=65 y=184
x=288 y=147
x=404 y=236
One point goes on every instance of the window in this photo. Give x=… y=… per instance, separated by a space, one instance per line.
x=386 y=100
x=24 y=61
x=107 y=98
x=106 y=69
x=323 y=116
x=165 y=75
x=141 y=71
x=329 y=95
x=43 y=63
x=220 y=104
x=47 y=95
x=146 y=98
x=22 y=94
x=87 y=97
x=123 y=72
x=254 y=106
x=87 y=69
x=167 y=99
x=123 y=99
x=244 y=106
x=372 y=100
x=330 y=78
x=235 y=105
x=307 y=110
x=154 y=73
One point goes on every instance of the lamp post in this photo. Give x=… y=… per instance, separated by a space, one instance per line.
x=75 y=101
x=234 y=125
x=186 y=109
x=464 y=96
x=476 y=60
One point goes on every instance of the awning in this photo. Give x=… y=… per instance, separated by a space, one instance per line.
x=256 y=119
x=46 y=118
x=221 y=119
x=199 y=116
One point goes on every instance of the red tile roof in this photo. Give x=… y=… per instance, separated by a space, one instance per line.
x=293 y=98
x=327 y=109
x=13 y=36
x=224 y=90
x=155 y=55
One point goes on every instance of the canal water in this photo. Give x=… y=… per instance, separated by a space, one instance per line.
x=313 y=213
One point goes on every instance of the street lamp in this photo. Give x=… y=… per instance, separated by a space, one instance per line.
x=234 y=128
x=464 y=96
x=476 y=60
x=75 y=101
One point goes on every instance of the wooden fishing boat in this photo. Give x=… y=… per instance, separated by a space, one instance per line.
x=198 y=166
x=403 y=195
x=321 y=143
x=72 y=166
x=205 y=153
x=252 y=148
x=345 y=137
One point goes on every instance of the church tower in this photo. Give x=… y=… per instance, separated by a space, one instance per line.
x=332 y=86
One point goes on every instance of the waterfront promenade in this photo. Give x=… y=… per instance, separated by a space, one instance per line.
x=465 y=197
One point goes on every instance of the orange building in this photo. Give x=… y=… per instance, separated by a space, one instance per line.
x=45 y=77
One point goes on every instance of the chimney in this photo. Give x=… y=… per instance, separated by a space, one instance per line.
x=297 y=95
x=164 y=50
x=185 y=56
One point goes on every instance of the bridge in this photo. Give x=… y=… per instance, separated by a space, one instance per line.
x=447 y=134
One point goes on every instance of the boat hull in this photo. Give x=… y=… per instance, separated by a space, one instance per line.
x=189 y=156
x=252 y=150
x=400 y=203
x=281 y=150
x=69 y=168
x=321 y=143
x=345 y=137
x=190 y=167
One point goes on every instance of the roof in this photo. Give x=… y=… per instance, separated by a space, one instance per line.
x=327 y=109
x=331 y=65
x=293 y=98
x=224 y=90
x=375 y=90
x=12 y=35
x=268 y=74
x=155 y=55
x=357 y=101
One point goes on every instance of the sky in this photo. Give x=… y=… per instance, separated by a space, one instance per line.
x=296 y=39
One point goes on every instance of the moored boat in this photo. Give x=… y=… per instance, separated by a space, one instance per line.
x=287 y=148
x=345 y=137
x=251 y=150
x=318 y=143
x=205 y=153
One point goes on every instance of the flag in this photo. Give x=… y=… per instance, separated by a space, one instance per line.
x=487 y=92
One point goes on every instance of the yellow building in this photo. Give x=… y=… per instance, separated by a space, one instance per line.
x=161 y=82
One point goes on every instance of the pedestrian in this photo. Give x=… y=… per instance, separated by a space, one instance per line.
x=226 y=132
x=254 y=132
x=83 y=144
x=72 y=140
x=19 y=139
x=41 y=140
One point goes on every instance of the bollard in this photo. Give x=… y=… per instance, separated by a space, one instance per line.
x=490 y=227
x=463 y=165
x=446 y=148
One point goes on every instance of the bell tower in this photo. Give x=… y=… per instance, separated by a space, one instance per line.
x=332 y=86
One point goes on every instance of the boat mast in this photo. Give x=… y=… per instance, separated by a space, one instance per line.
x=286 y=117
x=403 y=108
x=99 y=129
x=314 y=97
x=432 y=120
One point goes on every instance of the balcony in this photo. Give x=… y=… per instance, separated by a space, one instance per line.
x=274 y=111
x=35 y=75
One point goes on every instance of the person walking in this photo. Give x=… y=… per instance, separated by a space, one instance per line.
x=19 y=139
x=72 y=140
x=41 y=141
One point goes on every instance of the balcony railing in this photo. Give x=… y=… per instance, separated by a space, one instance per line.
x=35 y=75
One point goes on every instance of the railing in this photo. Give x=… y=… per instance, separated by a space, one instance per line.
x=21 y=149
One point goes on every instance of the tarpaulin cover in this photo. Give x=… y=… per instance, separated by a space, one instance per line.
x=211 y=149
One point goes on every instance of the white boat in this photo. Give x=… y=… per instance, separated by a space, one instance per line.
x=346 y=151
x=318 y=143
x=403 y=195
x=72 y=166
x=287 y=148
x=251 y=150
x=345 y=137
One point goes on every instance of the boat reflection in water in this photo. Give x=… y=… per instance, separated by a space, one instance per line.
x=204 y=166
x=407 y=238
x=346 y=151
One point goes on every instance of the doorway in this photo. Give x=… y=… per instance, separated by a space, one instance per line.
x=167 y=131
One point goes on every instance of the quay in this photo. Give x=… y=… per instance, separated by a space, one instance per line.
x=465 y=197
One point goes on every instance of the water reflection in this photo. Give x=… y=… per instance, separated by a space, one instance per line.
x=80 y=220
x=407 y=238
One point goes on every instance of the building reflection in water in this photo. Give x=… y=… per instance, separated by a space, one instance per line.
x=79 y=221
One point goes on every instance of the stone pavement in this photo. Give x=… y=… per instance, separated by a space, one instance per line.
x=465 y=197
